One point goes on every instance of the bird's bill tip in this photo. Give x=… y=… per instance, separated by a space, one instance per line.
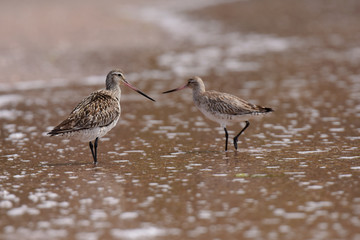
x=137 y=90
x=176 y=89
x=169 y=91
x=140 y=92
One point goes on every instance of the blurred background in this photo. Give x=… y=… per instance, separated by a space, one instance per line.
x=162 y=171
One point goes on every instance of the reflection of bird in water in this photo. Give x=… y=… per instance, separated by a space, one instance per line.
x=223 y=108
x=96 y=114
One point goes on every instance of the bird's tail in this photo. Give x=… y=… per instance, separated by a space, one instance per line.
x=58 y=131
x=52 y=133
x=267 y=109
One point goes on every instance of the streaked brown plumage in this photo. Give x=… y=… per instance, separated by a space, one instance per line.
x=99 y=109
x=96 y=114
x=221 y=107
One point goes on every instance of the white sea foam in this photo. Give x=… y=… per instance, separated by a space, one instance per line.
x=9 y=99
x=86 y=201
x=9 y=114
x=205 y=214
x=312 y=152
x=23 y=210
x=32 y=85
x=47 y=204
x=87 y=236
x=143 y=233
x=6 y=204
x=289 y=215
x=129 y=215
x=312 y=206
x=26 y=233
x=111 y=201
x=63 y=221
x=16 y=136
x=98 y=214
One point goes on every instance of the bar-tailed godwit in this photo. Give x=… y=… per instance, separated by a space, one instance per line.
x=222 y=108
x=96 y=114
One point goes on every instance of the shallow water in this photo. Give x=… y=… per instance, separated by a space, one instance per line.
x=162 y=171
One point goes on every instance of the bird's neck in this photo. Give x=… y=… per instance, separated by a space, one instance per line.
x=115 y=91
x=198 y=91
x=111 y=83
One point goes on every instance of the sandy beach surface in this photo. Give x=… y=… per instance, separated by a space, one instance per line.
x=163 y=172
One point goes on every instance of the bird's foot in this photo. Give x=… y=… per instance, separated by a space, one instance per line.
x=235 y=143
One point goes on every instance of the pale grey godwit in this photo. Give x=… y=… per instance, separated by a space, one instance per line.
x=222 y=108
x=96 y=114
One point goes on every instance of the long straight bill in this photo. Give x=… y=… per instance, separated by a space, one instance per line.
x=137 y=90
x=176 y=89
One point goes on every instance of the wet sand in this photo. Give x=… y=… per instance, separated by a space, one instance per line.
x=162 y=171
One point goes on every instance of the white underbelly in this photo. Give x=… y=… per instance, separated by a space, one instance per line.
x=226 y=119
x=91 y=134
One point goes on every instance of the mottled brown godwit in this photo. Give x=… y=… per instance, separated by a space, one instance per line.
x=96 y=114
x=222 y=108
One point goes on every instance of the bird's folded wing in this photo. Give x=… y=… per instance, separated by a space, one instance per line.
x=229 y=104
x=97 y=110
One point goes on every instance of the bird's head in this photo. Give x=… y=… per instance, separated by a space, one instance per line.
x=116 y=78
x=193 y=83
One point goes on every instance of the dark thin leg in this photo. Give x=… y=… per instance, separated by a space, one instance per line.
x=95 y=148
x=226 y=137
x=92 y=150
x=237 y=136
